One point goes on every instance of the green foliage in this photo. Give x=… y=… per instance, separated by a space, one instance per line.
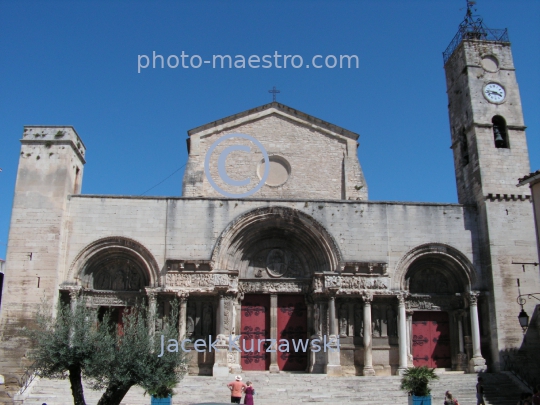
x=416 y=380
x=135 y=359
x=71 y=338
x=74 y=344
x=163 y=391
x=59 y=134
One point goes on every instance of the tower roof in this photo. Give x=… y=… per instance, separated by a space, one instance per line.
x=473 y=28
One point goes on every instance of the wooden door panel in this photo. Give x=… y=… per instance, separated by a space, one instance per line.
x=431 y=339
x=255 y=325
x=292 y=325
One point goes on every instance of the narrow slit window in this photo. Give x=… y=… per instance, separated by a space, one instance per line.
x=500 y=132
x=464 y=148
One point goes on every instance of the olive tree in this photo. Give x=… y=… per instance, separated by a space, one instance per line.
x=74 y=344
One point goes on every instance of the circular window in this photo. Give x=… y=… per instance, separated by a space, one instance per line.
x=490 y=63
x=280 y=171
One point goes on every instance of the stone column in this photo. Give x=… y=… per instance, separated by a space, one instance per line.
x=152 y=305
x=220 y=315
x=368 y=354
x=410 y=362
x=477 y=364
x=182 y=315
x=221 y=367
x=73 y=297
x=350 y=321
x=333 y=362
x=332 y=316
x=402 y=332
x=274 y=368
x=460 y=334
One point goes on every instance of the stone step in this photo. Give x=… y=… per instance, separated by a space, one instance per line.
x=284 y=388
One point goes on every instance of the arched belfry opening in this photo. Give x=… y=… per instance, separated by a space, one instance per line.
x=500 y=132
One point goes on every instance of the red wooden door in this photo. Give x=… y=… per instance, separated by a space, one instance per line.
x=431 y=339
x=292 y=325
x=255 y=325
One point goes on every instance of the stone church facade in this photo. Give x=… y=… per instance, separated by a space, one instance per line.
x=308 y=256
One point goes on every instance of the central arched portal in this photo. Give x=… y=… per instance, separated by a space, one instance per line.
x=276 y=252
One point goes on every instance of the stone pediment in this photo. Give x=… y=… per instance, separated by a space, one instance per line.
x=232 y=121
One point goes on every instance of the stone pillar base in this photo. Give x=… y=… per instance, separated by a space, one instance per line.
x=333 y=362
x=477 y=365
x=221 y=368
x=333 y=371
x=368 y=371
x=274 y=368
x=400 y=371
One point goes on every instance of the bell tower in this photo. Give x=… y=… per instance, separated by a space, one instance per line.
x=486 y=118
x=490 y=155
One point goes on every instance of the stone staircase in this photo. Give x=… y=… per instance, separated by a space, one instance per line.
x=292 y=388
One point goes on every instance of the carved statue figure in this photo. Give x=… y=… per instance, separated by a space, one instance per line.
x=190 y=324
x=343 y=315
x=207 y=320
x=391 y=319
x=317 y=319
x=277 y=262
x=358 y=320
x=118 y=280
x=376 y=321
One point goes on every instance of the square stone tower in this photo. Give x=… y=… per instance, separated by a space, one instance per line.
x=490 y=155
x=50 y=169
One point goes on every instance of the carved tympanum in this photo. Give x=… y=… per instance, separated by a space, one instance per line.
x=118 y=275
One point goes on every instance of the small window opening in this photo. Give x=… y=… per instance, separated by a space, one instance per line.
x=464 y=148
x=500 y=133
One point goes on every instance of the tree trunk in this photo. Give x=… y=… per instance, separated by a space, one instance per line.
x=114 y=394
x=76 y=385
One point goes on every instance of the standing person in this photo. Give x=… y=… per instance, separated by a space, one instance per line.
x=237 y=388
x=250 y=391
x=449 y=399
x=480 y=392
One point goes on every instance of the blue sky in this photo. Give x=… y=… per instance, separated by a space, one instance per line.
x=75 y=63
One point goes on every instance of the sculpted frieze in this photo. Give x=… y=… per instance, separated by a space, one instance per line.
x=349 y=284
x=110 y=300
x=273 y=286
x=200 y=281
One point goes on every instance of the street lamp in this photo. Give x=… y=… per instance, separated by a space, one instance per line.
x=523 y=316
x=523 y=319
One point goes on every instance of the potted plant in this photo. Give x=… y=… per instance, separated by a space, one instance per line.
x=162 y=395
x=416 y=381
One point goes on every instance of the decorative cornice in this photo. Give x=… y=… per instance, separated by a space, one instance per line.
x=508 y=197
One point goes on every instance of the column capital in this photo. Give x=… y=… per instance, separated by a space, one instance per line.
x=473 y=297
x=402 y=296
x=151 y=293
x=74 y=291
x=182 y=296
x=367 y=297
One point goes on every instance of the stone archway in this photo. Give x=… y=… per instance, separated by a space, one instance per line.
x=276 y=242
x=438 y=279
x=276 y=251
x=114 y=263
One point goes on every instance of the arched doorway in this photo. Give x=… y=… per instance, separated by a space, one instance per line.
x=276 y=251
x=438 y=279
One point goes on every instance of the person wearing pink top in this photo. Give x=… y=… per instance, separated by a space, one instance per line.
x=237 y=388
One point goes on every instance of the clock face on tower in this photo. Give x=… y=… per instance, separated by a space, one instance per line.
x=494 y=92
